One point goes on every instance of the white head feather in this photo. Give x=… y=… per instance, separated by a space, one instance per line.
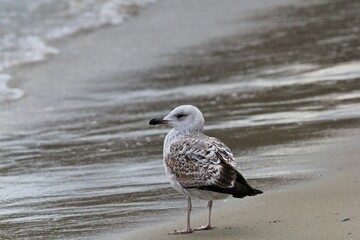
x=186 y=118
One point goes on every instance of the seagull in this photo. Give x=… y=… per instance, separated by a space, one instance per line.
x=197 y=165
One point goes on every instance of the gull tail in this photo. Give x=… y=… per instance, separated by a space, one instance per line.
x=242 y=188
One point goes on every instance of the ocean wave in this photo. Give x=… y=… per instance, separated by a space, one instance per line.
x=7 y=93
x=19 y=50
x=27 y=28
x=111 y=12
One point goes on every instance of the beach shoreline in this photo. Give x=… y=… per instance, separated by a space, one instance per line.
x=326 y=208
x=115 y=53
x=78 y=158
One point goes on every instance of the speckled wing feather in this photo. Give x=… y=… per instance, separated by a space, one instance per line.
x=206 y=163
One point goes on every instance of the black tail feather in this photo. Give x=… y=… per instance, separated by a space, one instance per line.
x=241 y=189
x=231 y=182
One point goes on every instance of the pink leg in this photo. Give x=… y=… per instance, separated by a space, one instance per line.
x=208 y=226
x=188 y=228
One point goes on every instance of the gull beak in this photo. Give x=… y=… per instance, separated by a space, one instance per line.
x=156 y=121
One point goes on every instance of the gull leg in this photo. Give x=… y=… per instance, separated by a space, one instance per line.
x=188 y=228
x=208 y=226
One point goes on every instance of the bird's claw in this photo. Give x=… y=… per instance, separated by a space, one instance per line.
x=186 y=231
x=205 y=227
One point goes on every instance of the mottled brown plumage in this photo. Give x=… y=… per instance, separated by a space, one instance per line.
x=206 y=163
x=197 y=165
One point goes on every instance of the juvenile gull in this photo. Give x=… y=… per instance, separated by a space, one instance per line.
x=197 y=165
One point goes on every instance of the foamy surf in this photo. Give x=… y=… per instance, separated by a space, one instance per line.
x=23 y=50
x=27 y=27
x=7 y=93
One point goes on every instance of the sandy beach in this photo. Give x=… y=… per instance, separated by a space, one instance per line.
x=277 y=81
x=328 y=208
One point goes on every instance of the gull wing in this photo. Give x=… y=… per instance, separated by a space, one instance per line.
x=207 y=163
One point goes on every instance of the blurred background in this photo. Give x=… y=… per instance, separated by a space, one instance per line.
x=80 y=79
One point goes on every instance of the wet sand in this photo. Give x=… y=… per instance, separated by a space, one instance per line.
x=328 y=208
x=275 y=84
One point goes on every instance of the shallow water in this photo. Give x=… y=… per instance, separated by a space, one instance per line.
x=27 y=27
x=275 y=96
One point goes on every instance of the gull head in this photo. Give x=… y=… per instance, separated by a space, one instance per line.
x=186 y=118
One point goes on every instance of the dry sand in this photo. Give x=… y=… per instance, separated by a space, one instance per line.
x=327 y=208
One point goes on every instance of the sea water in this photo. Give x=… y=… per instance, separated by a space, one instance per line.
x=27 y=28
x=90 y=163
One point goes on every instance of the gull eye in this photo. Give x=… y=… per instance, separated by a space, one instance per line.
x=180 y=116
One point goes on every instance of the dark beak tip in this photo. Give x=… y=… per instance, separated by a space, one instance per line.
x=152 y=122
x=156 y=121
